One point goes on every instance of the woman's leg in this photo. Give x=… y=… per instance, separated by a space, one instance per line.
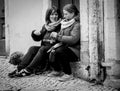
x=25 y=61
x=68 y=57
x=63 y=55
x=39 y=59
x=54 y=60
x=28 y=57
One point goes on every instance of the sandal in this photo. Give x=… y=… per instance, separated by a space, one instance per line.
x=23 y=73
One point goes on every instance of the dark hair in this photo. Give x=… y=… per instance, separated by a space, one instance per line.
x=71 y=8
x=52 y=10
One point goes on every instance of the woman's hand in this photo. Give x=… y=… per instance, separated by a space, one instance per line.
x=53 y=35
x=37 y=32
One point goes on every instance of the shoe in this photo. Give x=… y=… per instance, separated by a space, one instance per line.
x=23 y=73
x=54 y=73
x=38 y=72
x=13 y=73
x=65 y=77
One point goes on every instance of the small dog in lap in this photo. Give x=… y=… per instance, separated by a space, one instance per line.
x=16 y=58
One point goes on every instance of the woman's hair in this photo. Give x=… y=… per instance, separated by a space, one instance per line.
x=50 y=11
x=71 y=9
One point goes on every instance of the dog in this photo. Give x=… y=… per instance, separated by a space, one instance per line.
x=16 y=58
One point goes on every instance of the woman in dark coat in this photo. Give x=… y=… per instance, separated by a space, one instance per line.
x=68 y=48
x=37 y=55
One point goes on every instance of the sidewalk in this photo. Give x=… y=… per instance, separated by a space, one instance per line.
x=42 y=82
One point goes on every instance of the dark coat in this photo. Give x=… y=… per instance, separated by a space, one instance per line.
x=71 y=37
x=44 y=34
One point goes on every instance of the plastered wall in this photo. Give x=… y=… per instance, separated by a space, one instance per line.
x=23 y=16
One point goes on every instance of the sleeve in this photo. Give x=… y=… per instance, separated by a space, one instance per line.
x=74 y=36
x=38 y=37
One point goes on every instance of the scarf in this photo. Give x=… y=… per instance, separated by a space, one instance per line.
x=65 y=24
x=51 y=26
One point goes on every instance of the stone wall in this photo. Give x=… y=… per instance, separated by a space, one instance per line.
x=91 y=16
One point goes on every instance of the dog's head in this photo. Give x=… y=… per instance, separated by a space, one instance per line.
x=16 y=58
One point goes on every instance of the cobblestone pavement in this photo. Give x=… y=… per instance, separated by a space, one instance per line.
x=42 y=82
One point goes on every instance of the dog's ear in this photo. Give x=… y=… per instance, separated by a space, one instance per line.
x=15 y=58
x=13 y=61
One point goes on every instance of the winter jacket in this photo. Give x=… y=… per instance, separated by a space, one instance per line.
x=45 y=35
x=70 y=37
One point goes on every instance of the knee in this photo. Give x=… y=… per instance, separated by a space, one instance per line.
x=58 y=51
x=31 y=49
x=42 y=50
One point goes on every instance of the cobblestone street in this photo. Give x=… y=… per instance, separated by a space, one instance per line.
x=42 y=82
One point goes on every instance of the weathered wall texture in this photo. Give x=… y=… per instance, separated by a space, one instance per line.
x=112 y=42
x=112 y=38
x=91 y=17
x=84 y=54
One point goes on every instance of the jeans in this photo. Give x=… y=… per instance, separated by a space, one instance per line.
x=36 y=56
x=61 y=59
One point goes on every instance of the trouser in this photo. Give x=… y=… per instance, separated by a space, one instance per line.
x=36 y=56
x=61 y=58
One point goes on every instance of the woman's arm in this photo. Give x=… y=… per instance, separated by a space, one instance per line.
x=38 y=37
x=73 y=38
